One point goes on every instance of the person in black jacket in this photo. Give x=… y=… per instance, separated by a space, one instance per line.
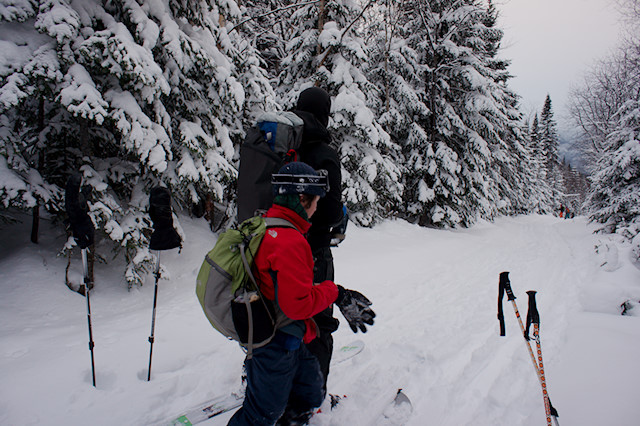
x=314 y=107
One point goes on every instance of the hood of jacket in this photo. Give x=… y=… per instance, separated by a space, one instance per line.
x=313 y=131
x=316 y=101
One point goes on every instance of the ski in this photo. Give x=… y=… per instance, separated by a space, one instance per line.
x=400 y=409
x=225 y=403
x=347 y=352
x=219 y=405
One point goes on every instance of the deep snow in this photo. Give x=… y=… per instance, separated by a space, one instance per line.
x=436 y=333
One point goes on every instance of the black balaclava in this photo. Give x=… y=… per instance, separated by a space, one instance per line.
x=316 y=101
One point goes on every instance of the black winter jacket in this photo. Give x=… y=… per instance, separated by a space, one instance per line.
x=316 y=151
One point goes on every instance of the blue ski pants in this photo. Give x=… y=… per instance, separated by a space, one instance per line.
x=282 y=369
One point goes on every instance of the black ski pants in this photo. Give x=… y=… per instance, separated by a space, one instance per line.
x=322 y=346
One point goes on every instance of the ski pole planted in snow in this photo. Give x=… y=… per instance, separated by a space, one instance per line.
x=153 y=317
x=533 y=317
x=83 y=233
x=164 y=237
x=505 y=287
x=87 y=287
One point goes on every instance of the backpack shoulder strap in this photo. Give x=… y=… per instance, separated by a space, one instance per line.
x=276 y=222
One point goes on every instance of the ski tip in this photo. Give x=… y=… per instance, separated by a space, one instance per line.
x=402 y=399
x=356 y=344
x=400 y=410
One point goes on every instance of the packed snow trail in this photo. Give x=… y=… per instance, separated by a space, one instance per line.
x=440 y=292
x=436 y=334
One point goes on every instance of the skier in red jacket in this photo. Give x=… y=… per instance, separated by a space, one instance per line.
x=284 y=259
x=284 y=370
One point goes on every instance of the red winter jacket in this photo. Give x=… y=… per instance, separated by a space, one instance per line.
x=286 y=252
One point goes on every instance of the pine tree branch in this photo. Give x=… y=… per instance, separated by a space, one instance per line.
x=332 y=47
x=291 y=6
x=426 y=25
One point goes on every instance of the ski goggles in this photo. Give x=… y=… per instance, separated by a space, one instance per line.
x=312 y=184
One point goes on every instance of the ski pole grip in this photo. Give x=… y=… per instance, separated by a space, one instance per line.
x=533 y=308
x=504 y=281
x=164 y=236
x=504 y=277
x=532 y=315
x=77 y=211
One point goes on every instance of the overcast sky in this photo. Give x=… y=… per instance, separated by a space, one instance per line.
x=551 y=43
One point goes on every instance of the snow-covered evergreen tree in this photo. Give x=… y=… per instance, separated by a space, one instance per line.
x=503 y=128
x=613 y=198
x=542 y=196
x=30 y=160
x=396 y=68
x=133 y=95
x=576 y=186
x=265 y=25
x=536 y=149
x=615 y=195
x=549 y=139
x=325 y=49
x=447 y=103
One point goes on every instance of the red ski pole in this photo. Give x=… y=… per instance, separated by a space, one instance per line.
x=533 y=317
x=505 y=286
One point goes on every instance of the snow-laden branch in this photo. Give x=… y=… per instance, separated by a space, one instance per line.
x=291 y=6
x=346 y=30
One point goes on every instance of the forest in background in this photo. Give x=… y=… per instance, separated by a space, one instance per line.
x=138 y=94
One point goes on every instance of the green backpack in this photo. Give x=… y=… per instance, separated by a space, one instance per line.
x=227 y=289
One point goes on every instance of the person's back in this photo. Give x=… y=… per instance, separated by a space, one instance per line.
x=314 y=107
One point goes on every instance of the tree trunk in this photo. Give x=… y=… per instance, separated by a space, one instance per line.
x=320 y=23
x=35 y=223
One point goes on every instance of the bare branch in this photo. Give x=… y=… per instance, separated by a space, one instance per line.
x=291 y=6
x=332 y=47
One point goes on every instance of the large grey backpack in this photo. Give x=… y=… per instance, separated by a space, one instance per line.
x=271 y=143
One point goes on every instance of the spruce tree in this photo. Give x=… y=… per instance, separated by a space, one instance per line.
x=614 y=199
x=396 y=69
x=503 y=128
x=447 y=102
x=541 y=194
x=326 y=49
x=265 y=25
x=549 y=141
x=133 y=95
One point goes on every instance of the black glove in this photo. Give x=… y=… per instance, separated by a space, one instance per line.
x=355 y=309
x=75 y=201
x=164 y=236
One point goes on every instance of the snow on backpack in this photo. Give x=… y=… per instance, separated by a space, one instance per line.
x=270 y=144
x=228 y=291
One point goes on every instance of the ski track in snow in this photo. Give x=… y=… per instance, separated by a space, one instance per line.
x=436 y=334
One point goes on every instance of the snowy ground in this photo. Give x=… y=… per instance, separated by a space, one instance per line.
x=436 y=334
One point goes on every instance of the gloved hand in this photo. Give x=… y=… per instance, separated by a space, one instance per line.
x=164 y=236
x=355 y=309
x=77 y=210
